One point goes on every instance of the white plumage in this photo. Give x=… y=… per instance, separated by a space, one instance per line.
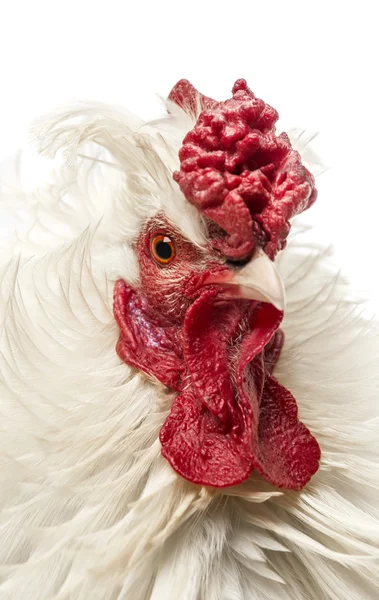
x=89 y=508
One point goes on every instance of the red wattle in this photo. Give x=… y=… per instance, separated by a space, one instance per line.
x=231 y=416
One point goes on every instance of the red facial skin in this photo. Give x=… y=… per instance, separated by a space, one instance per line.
x=230 y=415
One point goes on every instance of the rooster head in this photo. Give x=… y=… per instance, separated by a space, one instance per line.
x=204 y=319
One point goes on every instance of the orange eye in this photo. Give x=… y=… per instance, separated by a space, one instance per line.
x=163 y=249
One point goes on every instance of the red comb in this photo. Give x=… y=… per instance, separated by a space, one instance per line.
x=242 y=177
x=185 y=95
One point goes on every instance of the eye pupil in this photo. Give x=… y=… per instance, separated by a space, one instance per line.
x=164 y=250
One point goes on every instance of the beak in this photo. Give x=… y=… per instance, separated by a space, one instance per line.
x=257 y=280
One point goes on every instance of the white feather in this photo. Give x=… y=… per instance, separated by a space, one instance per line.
x=89 y=509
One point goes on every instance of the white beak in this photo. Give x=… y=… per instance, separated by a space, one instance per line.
x=257 y=280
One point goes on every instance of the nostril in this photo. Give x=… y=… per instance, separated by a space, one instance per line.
x=238 y=263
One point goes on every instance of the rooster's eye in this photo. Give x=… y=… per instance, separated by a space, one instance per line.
x=163 y=249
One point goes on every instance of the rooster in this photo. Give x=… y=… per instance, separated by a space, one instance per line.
x=165 y=434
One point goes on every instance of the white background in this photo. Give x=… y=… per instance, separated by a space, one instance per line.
x=316 y=62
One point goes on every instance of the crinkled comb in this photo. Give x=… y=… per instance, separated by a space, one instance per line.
x=246 y=180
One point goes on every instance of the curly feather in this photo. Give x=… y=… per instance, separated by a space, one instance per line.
x=89 y=509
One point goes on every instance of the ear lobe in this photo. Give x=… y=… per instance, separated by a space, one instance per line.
x=143 y=343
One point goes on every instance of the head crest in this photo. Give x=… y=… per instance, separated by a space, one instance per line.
x=247 y=181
